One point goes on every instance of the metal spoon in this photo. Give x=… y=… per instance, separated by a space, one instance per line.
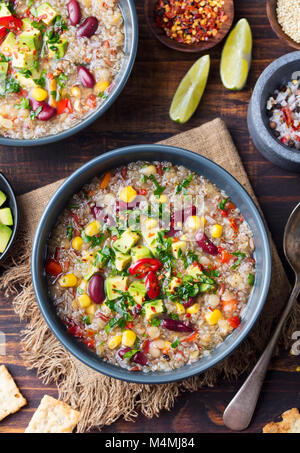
x=239 y=412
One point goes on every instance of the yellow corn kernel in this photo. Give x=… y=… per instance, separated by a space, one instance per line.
x=128 y=338
x=77 y=243
x=76 y=92
x=180 y=308
x=114 y=342
x=101 y=86
x=84 y=300
x=193 y=309
x=128 y=194
x=195 y=222
x=52 y=92
x=212 y=317
x=91 y=309
x=216 y=231
x=68 y=281
x=167 y=347
x=116 y=19
x=93 y=228
x=39 y=94
x=161 y=199
x=151 y=223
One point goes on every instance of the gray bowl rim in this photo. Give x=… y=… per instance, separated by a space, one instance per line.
x=283 y=152
x=56 y=325
x=101 y=110
x=12 y=197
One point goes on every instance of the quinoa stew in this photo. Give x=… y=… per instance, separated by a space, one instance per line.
x=151 y=266
x=58 y=62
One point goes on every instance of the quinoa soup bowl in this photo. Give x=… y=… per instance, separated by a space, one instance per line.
x=151 y=264
x=62 y=64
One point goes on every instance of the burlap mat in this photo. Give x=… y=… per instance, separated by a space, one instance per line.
x=100 y=399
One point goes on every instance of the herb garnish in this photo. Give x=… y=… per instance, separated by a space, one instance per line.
x=130 y=354
x=175 y=344
x=223 y=203
x=69 y=232
x=23 y=104
x=184 y=184
x=251 y=279
x=240 y=256
x=159 y=189
x=95 y=240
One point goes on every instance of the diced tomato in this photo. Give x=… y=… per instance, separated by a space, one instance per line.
x=230 y=206
x=89 y=342
x=141 y=267
x=53 y=268
x=129 y=325
x=64 y=106
x=234 y=321
x=142 y=192
x=229 y=306
x=160 y=170
x=146 y=346
x=234 y=225
x=224 y=213
x=225 y=256
x=152 y=285
x=92 y=101
x=75 y=331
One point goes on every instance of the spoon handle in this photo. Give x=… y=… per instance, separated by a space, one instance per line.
x=239 y=412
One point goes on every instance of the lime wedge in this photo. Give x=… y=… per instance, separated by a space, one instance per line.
x=190 y=90
x=236 y=56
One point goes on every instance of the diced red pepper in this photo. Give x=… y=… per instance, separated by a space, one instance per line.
x=152 y=285
x=12 y=23
x=64 y=106
x=53 y=268
x=3 y=33
x=234 y=321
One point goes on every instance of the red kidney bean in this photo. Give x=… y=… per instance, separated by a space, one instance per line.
x=123 y=351
x=204 y=243
x=95 y=289
x=86 y=78
x=87 y=28
x=188 y=303
x=99 y=214
x=47 y=111
x=176 y=326
x=74 y=12
x=140 y=358
x=180 y=216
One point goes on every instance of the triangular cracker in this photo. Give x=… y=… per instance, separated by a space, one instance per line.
x=11 y=399
x=290 y=423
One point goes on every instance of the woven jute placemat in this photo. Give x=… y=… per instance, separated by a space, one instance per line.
x=100 y=399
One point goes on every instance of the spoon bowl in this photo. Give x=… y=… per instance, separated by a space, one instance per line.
x=291 y=240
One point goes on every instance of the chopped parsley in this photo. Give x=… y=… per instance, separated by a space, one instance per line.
x=190 y=258
x=12 y=86
x=130 y=354
x=23 y=104
x=35 y=113
x=184 y=184
x=240 y=256
x=174 y=316
x=159 y=189
x=223 y=203
x=251 y=279
x=69 y=232
x=175 y=343
x=155 y=322
x=94 y=240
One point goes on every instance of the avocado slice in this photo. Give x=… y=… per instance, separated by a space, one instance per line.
x=30 y=38
x=3 y=198
x=26 y=82
x=58 y=49
x=151 y=240
x=9 y=44
x=153 y=308
x=138 y=291
x=178 y=248
x=115 y=284
x=174 y=283
x=122 y=261
x=127 y=240
x=46 y=13
x=3 y=74
x=23 y=59
x=4 y=10
x=194 y=270
x=139 y=252
x=5 y=235
x=6 y=217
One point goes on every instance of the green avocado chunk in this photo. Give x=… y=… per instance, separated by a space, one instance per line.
x=122 y=261
x=115 y=284
x=6 y=217
x=140 y=251
x=4 y=10
x=46 y=13
x=3 y=197
x=58 y=49
x=153 y=308
x=127 y=240
x=9 y=44
x=30 y=38
x=24 y=59
x=3 y=74
x=5 y=235
x=138 y=291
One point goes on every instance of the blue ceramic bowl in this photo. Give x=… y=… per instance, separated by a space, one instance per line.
x=10 y=202
x=198 y=164
x=131 y=39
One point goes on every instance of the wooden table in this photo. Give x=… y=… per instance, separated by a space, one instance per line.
x=140 y=115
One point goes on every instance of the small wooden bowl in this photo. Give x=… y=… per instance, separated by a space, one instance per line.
x=149 y=7
x=272 y=16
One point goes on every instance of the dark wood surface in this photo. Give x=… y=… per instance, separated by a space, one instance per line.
x=140 y=115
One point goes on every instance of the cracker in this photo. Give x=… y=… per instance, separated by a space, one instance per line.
x=290 y=423
x=53 y=416
x=11 y=399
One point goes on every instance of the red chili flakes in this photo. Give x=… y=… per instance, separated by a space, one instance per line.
x=190 y=21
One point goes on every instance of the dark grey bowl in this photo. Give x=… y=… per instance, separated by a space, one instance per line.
x=202 y=166
x=12 y=203
x=131 y=39
x=277 y=73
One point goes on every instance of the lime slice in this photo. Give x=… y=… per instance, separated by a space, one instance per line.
x=236 y=56
x=190 y=90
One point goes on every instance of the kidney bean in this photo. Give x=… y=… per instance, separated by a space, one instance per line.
x=204 y=243
x=87 y=28
x=140 y=358
x=180 y=216
x=188 y=303
x=176 y=326
x=95 y=289
x=86 y=78
x=74 y=12
x=47 y=111
x=100 y=215
x=123 y=351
